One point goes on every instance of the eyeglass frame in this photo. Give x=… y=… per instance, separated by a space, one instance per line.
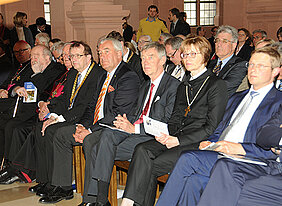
x=225 y=41
x=77 y=56
x=260 y=66
x=21 y=51
x=191 y=55
x=172 y=56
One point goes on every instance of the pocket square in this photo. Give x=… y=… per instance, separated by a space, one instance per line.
x=157 y=99
x=110 y=89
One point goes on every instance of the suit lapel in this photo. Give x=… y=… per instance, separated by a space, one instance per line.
x=143 y=93
x=227 y=66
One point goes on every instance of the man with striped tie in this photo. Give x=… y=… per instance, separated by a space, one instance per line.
x=118 y=93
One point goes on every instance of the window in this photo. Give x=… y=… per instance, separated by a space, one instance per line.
x=200 y=12
x=47 y=11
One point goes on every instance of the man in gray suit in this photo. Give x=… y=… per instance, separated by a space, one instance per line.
x=156 y=100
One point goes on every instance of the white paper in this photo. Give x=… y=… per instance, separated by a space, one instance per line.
x=154 y=127
x=111 y=127
x=244 y=159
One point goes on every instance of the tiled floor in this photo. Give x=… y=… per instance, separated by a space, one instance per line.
x=17 y=194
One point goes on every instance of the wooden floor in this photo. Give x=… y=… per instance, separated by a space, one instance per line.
x=17 y=194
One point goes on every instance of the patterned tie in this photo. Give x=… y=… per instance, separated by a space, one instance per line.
x=146 y=108
x=100 y=98
x=217 y=69
x=280 y=85
x=238 y=117
x=78 y=81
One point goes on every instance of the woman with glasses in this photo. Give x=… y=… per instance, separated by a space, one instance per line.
x=199 y=107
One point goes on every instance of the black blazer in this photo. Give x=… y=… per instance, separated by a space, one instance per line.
x=206 y=111
x=120 y=100
x=162 y=103
x=181 y=27
x=34 y=31
x=232 y=73
x=27 y=33
x=134 y=62
x=245 y=52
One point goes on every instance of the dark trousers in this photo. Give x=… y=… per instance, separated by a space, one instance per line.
x=112 y=145
x=63 y=143
x=239 y=183
x=150 y=160
x=188 y=179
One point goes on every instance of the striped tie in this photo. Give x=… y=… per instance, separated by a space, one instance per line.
x=217 y=69
x=100 y=98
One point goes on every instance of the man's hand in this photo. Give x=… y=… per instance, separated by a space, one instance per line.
x=204 y=144
x=167 y=140
x=21 y=91
x=43 y=110
x=275 y=151
x=123 y=123
x=3 y=93
x=47 y=123
x=230 y=148
x=80 y=133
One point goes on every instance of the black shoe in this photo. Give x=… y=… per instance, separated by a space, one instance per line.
x=101 y=204
x=44 y=190
x=86 y=204
x=4 y=174
x=37 y=187
x=57 y=195
x=10 y=180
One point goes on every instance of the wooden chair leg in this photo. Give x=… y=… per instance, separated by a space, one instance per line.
x=77 y=165
x=113 y=188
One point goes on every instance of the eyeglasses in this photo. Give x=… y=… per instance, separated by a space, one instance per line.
x=143 y=42
x=225 y=41
x=169 y=57
x=20 y=51
x=191 y=55
x=59 y=58
x=259 y=66
x=77 y=56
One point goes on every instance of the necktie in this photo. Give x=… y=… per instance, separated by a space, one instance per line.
x=172 y=27
x=217 y=69
x=239 y=115
x=78 y=81
x=177 y=74
x=146 y=108
x=280 y=85
x=100 y=98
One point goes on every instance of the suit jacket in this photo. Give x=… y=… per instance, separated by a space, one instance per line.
x=162 y=103
x=60 y=105
x=232 y=73
x=206 y=111
x=34 y=31
x=245 y=52
x=120 y=100
x=134 y=62
x=267 y=108
x=181 y=27
x=15 y=38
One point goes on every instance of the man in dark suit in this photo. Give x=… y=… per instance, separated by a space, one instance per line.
x=40 y=26
x=228 y=66
x=177 y=26
x=161 y=105
x=240 y=183
x=117 y=95
x=245 y=114
x=45 y=72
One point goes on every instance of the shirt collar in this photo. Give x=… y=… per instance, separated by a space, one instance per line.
x=125 y=56
x=149 y=20
x=112 y=72
x=224 y=61
x=199 y=74
x=83 y=73
x=262 y=91
x=157 y=81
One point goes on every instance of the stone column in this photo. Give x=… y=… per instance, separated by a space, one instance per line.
x=92 y=19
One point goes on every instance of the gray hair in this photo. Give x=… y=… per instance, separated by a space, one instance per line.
x=262 y=32
x=43 y=38
x=58 y=46
x=46 y=51
x=174 y=42
x=166 y=36
x=230 y=30
x=116 y=43
x=146 y=36
x=156 y=45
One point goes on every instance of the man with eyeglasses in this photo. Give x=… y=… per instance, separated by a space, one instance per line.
x=258 y=35
x=176 y=69
x=116 y=94
x=143 y=40
x=228 y=66
x=57 y=50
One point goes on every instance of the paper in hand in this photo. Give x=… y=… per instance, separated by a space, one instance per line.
x=154 y=127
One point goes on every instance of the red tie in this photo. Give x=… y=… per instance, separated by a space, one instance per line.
x=145 y=111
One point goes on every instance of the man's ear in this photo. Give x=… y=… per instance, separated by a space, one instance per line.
x=276 y=71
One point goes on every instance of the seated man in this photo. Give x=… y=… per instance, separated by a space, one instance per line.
x=117 y=93
x=240 y=183
x=156 y=100
x=245 y=114
x=198 y=109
